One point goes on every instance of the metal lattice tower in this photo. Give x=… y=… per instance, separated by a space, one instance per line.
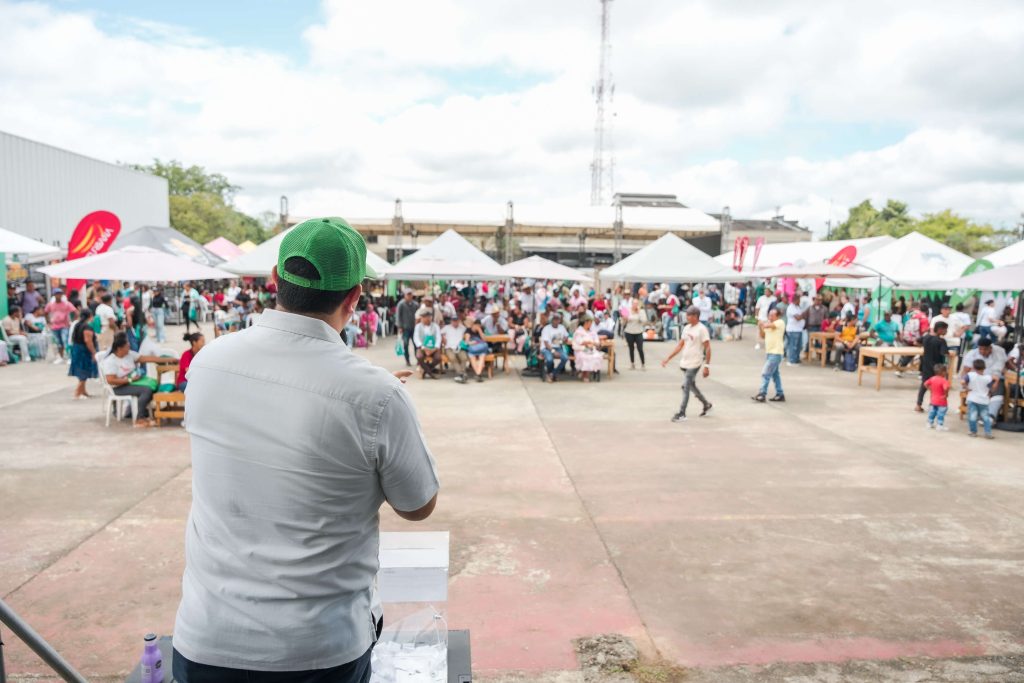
x=603 y=165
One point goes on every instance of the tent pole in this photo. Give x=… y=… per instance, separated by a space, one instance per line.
x=3 y=281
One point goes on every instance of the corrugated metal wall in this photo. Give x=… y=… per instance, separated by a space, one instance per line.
x=46 y=191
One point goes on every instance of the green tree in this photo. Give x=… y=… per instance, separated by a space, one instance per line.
x=202 y=204
x=958 y=232
x=894 y=219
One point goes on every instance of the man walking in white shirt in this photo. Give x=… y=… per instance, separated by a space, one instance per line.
x=695 y=345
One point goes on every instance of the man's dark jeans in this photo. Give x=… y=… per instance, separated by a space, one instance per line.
x=406 y=340
x=186 y=671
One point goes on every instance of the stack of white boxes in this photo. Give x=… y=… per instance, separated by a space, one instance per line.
x=413 y=576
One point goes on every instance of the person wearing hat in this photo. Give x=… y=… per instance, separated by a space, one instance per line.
x=406 y=316
x=695 y=344
x=429 y=304
x=296 y=443
x=552 y=345
x=427 y=340
x=58 y=317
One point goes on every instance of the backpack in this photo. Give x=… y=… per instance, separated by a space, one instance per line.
x=849 y=362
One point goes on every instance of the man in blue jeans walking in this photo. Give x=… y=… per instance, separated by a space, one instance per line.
x=774 y=330
x=796 y=320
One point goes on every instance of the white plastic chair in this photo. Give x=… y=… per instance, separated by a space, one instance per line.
x=119 y=403
x=382 y=317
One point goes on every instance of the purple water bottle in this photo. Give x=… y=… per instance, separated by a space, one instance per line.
x=152 y=661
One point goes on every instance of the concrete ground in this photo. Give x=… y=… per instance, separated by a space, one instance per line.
x=828 y=538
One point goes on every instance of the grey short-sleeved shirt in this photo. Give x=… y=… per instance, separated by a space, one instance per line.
x=296 y=443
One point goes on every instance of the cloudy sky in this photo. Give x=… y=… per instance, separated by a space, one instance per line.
x=800 y=104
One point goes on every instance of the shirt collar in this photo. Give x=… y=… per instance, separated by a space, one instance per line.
x=298 y=324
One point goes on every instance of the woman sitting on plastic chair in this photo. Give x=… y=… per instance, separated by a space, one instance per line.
x=121 y=367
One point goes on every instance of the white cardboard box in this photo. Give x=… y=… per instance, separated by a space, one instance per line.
x=413 y=566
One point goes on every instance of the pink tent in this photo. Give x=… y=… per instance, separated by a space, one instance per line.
x=224 y=248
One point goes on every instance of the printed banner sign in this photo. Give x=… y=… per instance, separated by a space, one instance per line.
x=93 y=235
x=758 y=246
x=739 y=252
x=843 y=257
x=961 y=295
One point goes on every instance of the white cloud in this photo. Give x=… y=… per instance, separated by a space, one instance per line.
x=487 y=101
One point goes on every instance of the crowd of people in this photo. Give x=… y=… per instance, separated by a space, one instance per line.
x=560 y=328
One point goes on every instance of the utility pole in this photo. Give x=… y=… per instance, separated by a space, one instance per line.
x=617 y=232
x=398 y=227
x=726 y=230
x=283 y=217
x=509 y=224
x=601 y=168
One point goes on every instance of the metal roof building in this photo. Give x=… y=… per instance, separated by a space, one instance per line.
x=45 y=191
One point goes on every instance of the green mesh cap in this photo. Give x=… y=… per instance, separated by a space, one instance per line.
x=333 y=246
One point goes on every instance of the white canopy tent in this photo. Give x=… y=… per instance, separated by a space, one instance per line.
x=540 y=268
x=1005 y=279
x=669 y=259
x=450 y=256
x=911 y=262
x=137 y=264
x=13 y=243
x=803 y=252
x=1007 y=256
x=260 y=261
x=812 y=270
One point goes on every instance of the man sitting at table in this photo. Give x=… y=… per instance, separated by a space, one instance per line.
x=848 y=340
x=885 y=330
x=995 y=365
x=427 y=338
x=451 y=338
x=494 y=322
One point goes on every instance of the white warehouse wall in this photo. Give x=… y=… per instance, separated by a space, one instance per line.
x=46 y=191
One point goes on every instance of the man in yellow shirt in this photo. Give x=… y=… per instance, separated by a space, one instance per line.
x=774 y=330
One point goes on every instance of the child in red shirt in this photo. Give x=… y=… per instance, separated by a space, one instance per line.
x=938 y=385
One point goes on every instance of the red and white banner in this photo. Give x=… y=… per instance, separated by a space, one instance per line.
x=739 y=252
x=843 y=257
x=758 y=246
x=93 y=235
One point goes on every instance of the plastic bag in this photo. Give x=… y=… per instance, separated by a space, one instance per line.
x=399 y=349
x=412 y=650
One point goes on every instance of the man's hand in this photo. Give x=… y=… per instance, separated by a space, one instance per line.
x=402 y=375
x=664 y=363
x=707 y=371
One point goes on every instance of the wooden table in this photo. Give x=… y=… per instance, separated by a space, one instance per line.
x=819 y=343
x=879 y=353
x=608 y=345
x=503 y=340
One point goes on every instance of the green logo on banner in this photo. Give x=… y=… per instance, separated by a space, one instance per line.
x=961 y=295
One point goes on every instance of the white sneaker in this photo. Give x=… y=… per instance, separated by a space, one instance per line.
x=942 y=428
x=899 y=373
x=931 y=425
x=58 y=360
x=757 y=347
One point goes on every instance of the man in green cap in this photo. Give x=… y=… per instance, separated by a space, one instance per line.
x=296 y=444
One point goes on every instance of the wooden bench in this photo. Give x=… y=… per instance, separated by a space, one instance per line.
x=168 y=406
